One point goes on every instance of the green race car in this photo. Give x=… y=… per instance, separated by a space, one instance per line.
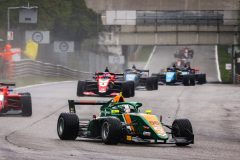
x=121 y=121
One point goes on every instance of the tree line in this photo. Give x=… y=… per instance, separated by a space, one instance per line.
x=65 y=19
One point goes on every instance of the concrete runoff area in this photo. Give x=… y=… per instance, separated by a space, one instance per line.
x=213 y=110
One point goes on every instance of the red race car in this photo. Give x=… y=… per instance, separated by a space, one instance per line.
x=14 y=103
x=106 y=84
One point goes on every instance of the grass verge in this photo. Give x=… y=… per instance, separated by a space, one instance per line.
x=224 y=58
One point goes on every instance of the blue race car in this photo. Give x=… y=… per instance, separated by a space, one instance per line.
x=141 y=78
x=185 y=76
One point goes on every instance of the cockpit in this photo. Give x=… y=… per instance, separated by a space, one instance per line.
x=124 y=108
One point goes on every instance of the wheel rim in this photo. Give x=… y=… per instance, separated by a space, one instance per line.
x=60 y=126
x=105 y=130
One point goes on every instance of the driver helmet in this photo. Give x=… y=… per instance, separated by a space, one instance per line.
x=106 y=69
x=126 y=108
x=134 y=67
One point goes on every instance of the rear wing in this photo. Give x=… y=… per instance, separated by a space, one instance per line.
x=137 y=70
x=73 y=103
x=143 y=70
x=111 y=73
x=7 y=84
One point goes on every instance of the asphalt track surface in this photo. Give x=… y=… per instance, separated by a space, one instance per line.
x=213 y=109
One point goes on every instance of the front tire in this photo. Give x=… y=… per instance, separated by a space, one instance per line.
x=68 y=126
x=182 y=128
x=26 y=102
x=111 y=131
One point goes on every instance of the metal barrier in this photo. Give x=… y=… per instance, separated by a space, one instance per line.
x=28 y=68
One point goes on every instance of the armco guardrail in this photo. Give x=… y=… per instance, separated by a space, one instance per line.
x=28 y=67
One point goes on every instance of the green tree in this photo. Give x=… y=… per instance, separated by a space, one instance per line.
x=66 y=19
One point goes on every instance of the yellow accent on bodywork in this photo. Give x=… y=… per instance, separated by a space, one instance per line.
x=115 y=111
x=148 y=111
x=129 y=138
x=155 y=124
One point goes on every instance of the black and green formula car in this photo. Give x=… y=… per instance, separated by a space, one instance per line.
x=121 y=121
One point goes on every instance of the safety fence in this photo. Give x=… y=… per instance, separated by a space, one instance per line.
x=26 y=67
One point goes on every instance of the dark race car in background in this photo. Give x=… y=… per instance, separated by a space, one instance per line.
x=105 y=84
x=183 y=57
x=141 y=78
x=185 y=53
x=14 y=103
x=121 y=121
x=185 y=76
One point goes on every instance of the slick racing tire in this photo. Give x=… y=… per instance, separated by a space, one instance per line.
x=26 y=102
x=192 y=81
x=111 y=131
x=150 y=84
x=204 y=78
x=185 y=80
x=201 y=78
x=132 y=88
x=182 y=128
x=81 y=88
x=126 y=89
x=68 y=126
x=155 y=80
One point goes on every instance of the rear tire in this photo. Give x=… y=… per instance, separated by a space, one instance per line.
x=155 y=83
x=149 y=83
x=126 y=89
x=182 y=128
x=111 y=131
x=204 y=78
x=132 y=86
x=192 y=81
x=81 y=88
x=68 y=126
x=201 y=78
x=26 y=102
x=185 y=80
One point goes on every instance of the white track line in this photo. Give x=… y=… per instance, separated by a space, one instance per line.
x=150 y=57
x=217 y=64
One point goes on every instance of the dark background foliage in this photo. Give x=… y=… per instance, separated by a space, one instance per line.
x=65 y=19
